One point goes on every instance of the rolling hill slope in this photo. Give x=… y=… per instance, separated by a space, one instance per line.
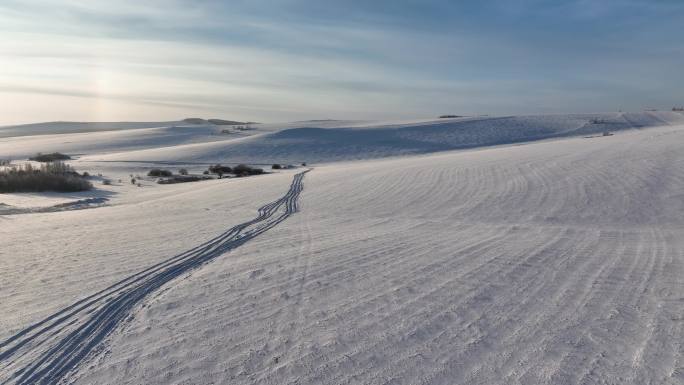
x=309 y=143
x=548 y=262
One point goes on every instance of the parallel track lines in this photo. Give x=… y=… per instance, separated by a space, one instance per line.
x=47 y=351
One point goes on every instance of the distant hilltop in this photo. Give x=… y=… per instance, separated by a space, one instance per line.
x=218 y=122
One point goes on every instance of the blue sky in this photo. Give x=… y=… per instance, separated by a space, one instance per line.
x=284 y=60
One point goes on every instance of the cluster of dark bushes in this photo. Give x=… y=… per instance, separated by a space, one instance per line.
x=55 y=176
x=450 y=116
x=159 y=172
x=678 y=109
x=53 y=157
x=5 y=162
x=276 y=167
x=182 y=179
x=245 y=170
x=167 y=177
x=239 y=170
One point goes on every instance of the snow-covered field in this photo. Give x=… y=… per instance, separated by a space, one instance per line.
x=481 y=258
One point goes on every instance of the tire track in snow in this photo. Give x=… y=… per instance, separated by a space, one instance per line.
x=47 y=351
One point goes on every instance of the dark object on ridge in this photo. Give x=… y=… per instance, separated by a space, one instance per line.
x=50 y=157
x=243 y=169
x=159 y=172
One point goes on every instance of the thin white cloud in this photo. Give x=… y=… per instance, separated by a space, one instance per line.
x=130 y=58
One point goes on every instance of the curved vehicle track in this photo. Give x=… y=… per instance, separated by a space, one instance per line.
x=47 y=351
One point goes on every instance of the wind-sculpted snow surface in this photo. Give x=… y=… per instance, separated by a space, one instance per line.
x=45 y=352
x=554 y=262
x=557 y=262
x=308 y=141
x=317 y=143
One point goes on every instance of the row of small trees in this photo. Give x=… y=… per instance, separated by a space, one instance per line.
x=217 y=169
x=54 y=176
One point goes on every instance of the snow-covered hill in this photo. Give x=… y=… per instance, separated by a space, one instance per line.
x=548 y=262
x=52 y=128
x=317 y=143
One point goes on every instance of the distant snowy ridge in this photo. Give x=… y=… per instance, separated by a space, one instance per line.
x=52 y=128
x=318 y=141
x=310 y=142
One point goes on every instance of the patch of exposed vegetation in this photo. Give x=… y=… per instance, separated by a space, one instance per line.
x=54 y=176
